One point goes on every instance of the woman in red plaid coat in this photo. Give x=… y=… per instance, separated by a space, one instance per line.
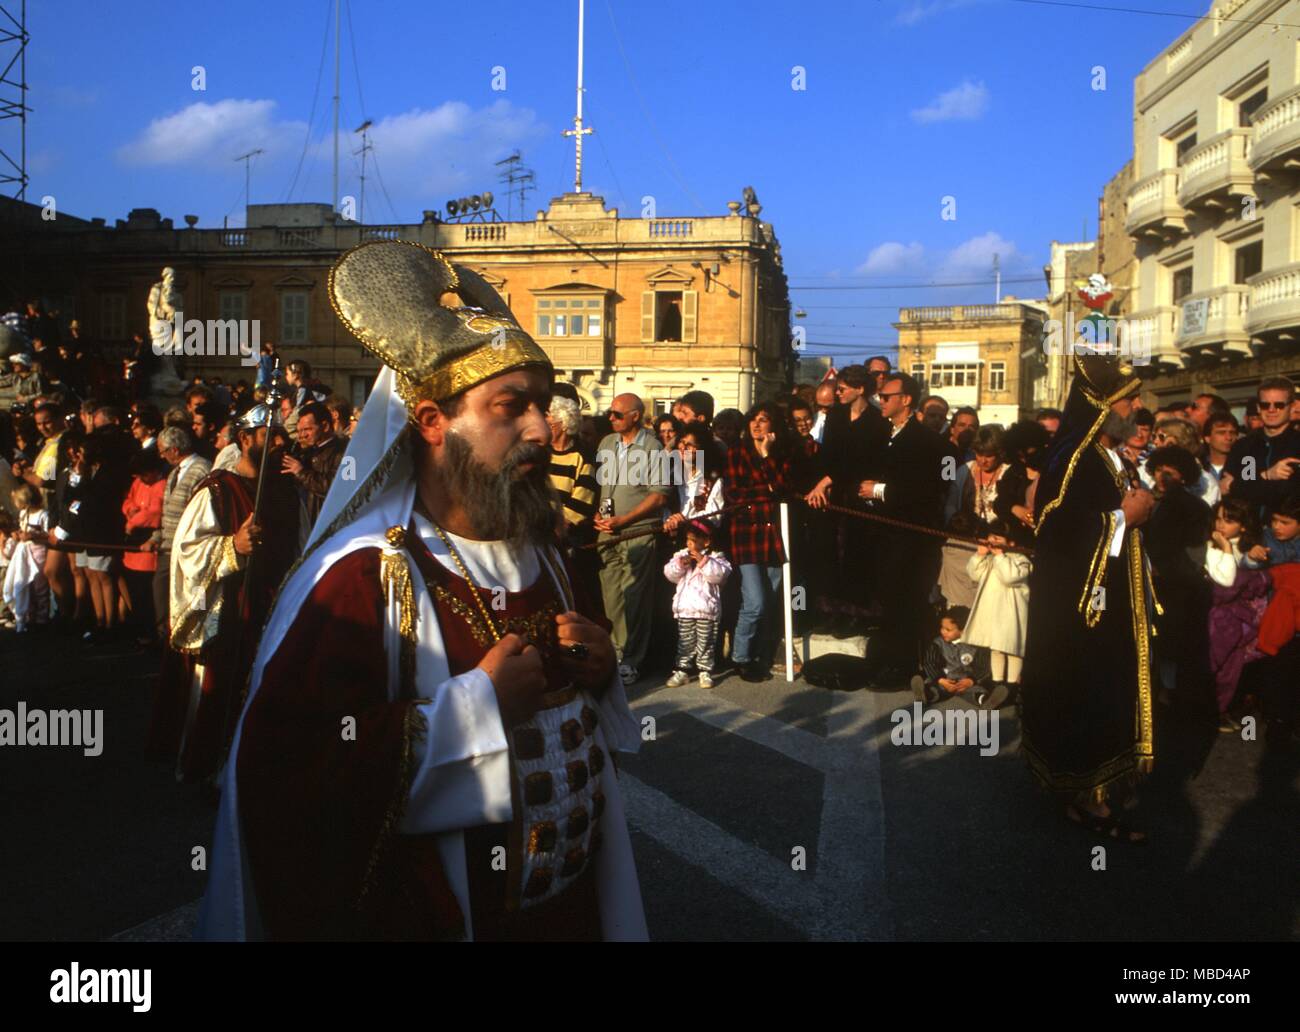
x=760 y=472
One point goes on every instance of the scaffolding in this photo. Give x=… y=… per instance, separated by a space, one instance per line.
x=13 y=97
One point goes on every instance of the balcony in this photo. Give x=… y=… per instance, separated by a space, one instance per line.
x=1276 y=147
x=1215 y=320
x=1275 y=304
x=1217 y=172
x=576 y=353
x=1153 y=208
x=1151 y=337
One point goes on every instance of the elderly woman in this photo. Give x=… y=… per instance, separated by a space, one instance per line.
x=572 y=473
x=1183 y=433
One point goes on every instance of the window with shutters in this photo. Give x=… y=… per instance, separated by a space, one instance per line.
x=570 y=317
x=997 y=376
x=669 y=316
x=112 y=317
x=232 y=304
x=293 y=317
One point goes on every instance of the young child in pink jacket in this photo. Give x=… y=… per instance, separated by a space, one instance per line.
x=699 y=575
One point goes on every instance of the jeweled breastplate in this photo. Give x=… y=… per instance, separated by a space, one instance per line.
x=556 y=762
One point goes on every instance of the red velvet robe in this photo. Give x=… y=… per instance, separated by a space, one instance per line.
x=320 y=813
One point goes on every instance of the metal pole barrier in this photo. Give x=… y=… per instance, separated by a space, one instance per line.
x=785 y=593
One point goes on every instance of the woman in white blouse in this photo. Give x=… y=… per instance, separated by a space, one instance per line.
x=699 y=488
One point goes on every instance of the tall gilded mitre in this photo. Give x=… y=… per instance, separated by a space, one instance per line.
x=1106 y=378
x=440 y=327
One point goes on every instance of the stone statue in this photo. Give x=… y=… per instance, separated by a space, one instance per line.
x=164 y=300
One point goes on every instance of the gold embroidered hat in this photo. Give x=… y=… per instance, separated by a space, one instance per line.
x=440 y=327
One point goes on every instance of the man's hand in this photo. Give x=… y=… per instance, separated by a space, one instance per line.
x=673 y=522
x=1137 y=505
x=290 y=465
x=1283 y=469
x=515 y=669
x=248 y=536
x=816 y=498
x=867 y=490
x=962 y=684
x=594 y=671
x=610 y=524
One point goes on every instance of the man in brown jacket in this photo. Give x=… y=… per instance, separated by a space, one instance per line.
x=320 y=451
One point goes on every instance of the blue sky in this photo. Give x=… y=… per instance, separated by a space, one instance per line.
x=906 y=102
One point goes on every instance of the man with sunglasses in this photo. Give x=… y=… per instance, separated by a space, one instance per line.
x=1261 y=467
x=633 y=483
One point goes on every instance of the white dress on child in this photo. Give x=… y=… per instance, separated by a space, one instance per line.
x=1000 y=612
x=26 y=570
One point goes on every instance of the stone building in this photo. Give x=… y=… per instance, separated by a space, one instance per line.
x=652 y=306
x=985 y=356
x=1214 y=208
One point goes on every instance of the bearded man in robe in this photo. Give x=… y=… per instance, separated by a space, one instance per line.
x=425 y=748
x=225 y=567
x=1086 y=688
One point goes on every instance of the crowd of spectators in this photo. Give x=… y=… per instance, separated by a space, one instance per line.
x=910 y=523
x=94 y=476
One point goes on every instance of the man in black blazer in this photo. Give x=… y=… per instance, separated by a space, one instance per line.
x=908 y=484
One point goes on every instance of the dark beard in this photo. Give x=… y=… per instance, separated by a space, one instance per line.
x=502 y=505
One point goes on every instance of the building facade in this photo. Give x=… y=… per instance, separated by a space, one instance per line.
x=654 y=307
x=984 y=356
x=1214 y=209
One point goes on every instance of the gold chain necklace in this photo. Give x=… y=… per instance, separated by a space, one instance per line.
x=469 y=578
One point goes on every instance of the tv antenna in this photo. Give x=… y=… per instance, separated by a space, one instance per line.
x=247 y=159
x=518 y=180
x=366 y=145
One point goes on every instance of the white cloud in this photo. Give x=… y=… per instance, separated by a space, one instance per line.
x=428 y=151
x=421 y=153
x=974 y=258
x=204 y=133
x=922 y=10
x=892 y=257
x=968 y=101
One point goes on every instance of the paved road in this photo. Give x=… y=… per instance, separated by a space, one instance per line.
x=768 y=811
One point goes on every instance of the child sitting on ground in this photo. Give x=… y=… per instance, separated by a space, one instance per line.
x=699 y=574
x=1000 y=612
x=952 y=666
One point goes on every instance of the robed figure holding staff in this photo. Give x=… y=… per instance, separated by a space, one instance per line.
x=425 y=749
x=226 y=562
x=1086 y=689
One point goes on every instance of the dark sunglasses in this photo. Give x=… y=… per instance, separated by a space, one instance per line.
x=891 y=394
x=1274 y=404
x=613 y=414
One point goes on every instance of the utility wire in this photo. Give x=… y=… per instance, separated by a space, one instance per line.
x=311 y=120
x=1147 y=11
x=654 y=129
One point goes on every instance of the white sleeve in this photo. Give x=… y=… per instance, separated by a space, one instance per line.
x=1221 y=566
x=1117 y=538
x=463 y=775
